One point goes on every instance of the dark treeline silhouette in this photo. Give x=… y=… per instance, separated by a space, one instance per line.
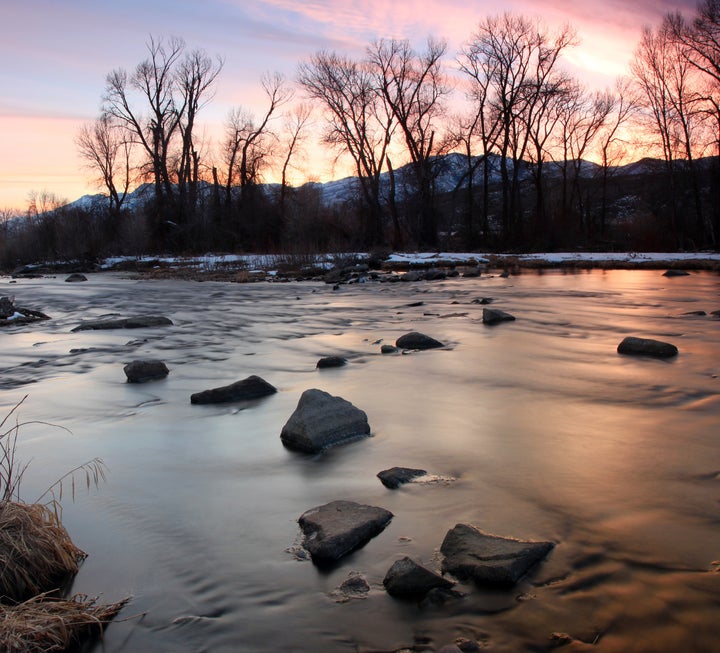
x=535 y=158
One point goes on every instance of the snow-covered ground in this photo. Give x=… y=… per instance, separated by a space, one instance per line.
x=268 y=262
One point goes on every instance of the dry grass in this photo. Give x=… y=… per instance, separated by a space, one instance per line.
x=44 y=624
x=36 y=552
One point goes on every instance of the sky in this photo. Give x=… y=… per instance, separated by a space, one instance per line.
x=56 y=55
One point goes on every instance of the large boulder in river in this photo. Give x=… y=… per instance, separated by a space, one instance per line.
x=409 y=579
x=253 y=387
x=416 y=340
x=647 y=347
x=489 y=559
x=339 y=527
x=321 y=421
x=137 y=322
x=495 y=316
x=145 y=370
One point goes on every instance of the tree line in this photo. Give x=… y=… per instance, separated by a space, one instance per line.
x=525 y=128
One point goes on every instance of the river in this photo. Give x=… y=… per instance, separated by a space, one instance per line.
x=537 y=428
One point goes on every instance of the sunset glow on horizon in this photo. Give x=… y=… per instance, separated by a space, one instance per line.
x=57 y=56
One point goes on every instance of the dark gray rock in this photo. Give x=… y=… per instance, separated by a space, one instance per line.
x=695 y=313
x=253 y=387
x=7 y=307
x=495 y=316
x=647 y=347
x=415 y=340
x=715 y=313
x=482 y=300
x=434 y=274
x=145 y=370
x=321 y=421
x=413 y=275
x=676 y=273
x=472 y=273
x=75 y=277
x=396 y=476
x=331 y=361
x=137 y=322
x=408 y=579
x=339 y=527
x=355 y=585
x=489 y=559
x=388 y=349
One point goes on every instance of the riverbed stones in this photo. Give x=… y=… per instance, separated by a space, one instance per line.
x=335 y=529
x=416 y=340
x=252 y=387
x=137 y=322
x=321 y=421
x=647 y=347
x=331 y=361
x=396 y=476
x=411 y=580
x=471 y=554
x=495 y=316
x=141 y=371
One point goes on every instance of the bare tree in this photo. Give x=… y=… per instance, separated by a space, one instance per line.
x=357 y=123
x=196 y=75
x=295 y=125
x=521 y=59
x=107 y=152
x=413 y=86
x=664 y=76
x=247 y=144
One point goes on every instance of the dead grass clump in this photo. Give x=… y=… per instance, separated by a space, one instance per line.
x=36 y=552
x=44 y=624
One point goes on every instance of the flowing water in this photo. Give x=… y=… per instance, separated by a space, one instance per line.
x=538 y=427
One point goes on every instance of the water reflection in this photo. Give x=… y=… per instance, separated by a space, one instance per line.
x=548 y=433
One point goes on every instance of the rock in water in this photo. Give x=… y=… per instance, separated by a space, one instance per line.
x=676 y=273
x=253 y=387
x=331 y=361
x=145 y=370
x=415 y=340
x=489 y=559
x=408 y=579
x=138 y=322
x=321 y=421
x=495 y=316
x=396 y=476
x=647 y=347
x=339 y=527
x=75 y=277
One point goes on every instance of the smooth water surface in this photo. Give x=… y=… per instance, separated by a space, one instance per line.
x=546 y=432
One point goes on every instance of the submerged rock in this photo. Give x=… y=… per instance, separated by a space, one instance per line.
x=416 y=340
x=396 y=476
x=145 y=370
x=75 y=277
x=321 y=421
x=647 y=347
x=676 y=273
x=495 y=316
x=489 y=559
x=253 y=387
x=331 y=361
x=137 y=322
x=388 y=349
x=339 y=527
x=409 y=579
